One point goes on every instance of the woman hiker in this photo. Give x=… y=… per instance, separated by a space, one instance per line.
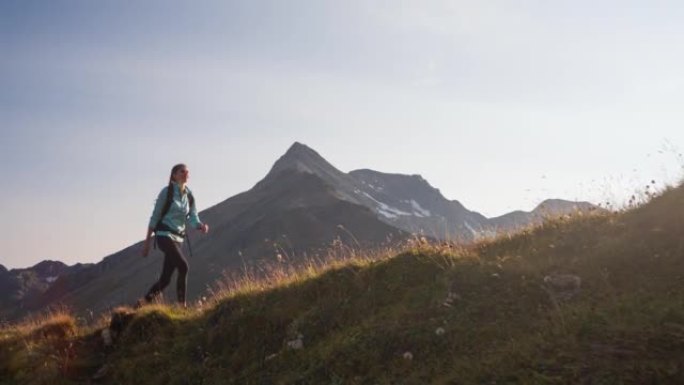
x=175 y=205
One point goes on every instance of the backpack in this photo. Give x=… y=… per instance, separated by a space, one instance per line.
x=167 y=205
x=165 y=210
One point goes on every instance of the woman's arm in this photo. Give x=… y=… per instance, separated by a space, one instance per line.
x=195 y=220
x=154 y=219
x=158 y=205
x=146 y=245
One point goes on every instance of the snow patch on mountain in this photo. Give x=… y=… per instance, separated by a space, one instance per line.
x=419 y=211
x=385 y=209
x=387 y=214
x=471 y=228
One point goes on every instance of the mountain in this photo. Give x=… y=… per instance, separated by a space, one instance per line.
x=48 y=270
x=295 y=213
x=24 y=288
x=410 y=203
x=407 y=202
x=548 y=208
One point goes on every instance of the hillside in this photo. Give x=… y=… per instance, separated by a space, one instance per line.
x=585 y=300
x=296 y=212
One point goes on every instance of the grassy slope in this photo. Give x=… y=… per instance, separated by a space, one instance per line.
x=359 y=320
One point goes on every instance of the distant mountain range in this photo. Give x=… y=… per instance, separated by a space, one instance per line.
x=23 y=289
x=297 y=211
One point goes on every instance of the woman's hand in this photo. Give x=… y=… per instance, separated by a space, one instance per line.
x=203 y=228
x=146 y=248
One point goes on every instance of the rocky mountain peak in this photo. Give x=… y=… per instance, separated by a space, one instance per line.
x=301 y=158
x=49 y=268
x=299 y=149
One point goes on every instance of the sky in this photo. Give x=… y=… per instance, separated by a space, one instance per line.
x=499 y=104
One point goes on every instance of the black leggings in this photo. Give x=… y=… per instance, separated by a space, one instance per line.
x=173 y=259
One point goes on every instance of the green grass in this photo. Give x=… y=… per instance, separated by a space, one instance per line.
x=359 y=319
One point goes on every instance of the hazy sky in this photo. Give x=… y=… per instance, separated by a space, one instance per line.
x=499 y=104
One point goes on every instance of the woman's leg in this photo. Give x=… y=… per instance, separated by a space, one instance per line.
x=174 y=254
x=182 y=280
x=165 y=277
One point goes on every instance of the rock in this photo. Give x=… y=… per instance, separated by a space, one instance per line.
x=563 y=286
x=296 y=344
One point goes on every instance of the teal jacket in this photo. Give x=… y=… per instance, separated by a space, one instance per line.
x=175 y=218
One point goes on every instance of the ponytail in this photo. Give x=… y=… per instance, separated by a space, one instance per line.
x=169 y=191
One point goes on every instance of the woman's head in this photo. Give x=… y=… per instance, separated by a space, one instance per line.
x=179 y=173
